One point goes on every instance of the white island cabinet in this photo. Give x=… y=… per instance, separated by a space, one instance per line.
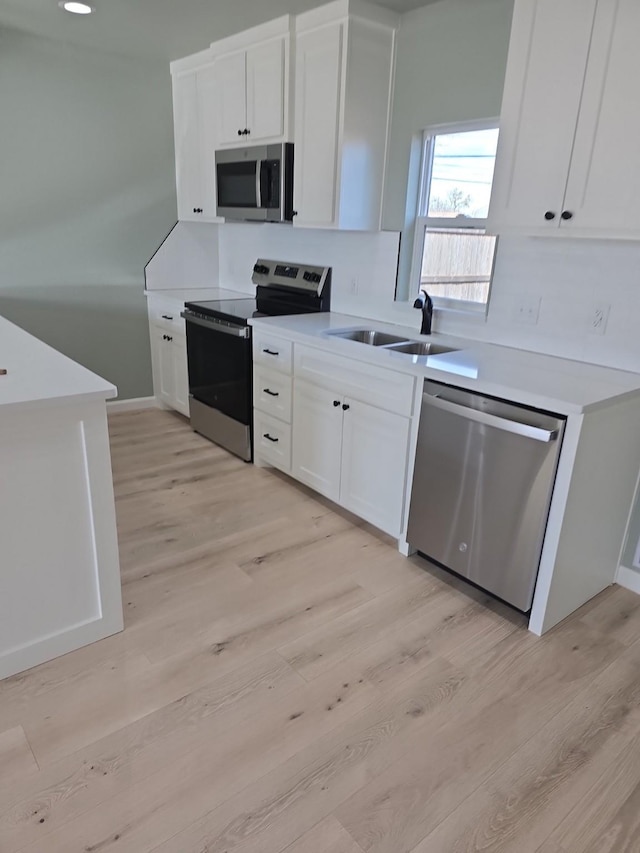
x=59 y=567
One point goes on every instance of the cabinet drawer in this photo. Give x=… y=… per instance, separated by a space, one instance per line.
x=272 y=393
x=368 y=383
x=272 y=440
x=166 y=314
x=272 y=351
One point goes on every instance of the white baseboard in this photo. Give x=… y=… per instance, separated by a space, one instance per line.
x=132 y=405
x=629 y=579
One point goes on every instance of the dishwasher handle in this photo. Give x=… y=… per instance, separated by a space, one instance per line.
x=525 y=430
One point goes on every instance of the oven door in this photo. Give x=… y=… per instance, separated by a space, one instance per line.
x=219 y=358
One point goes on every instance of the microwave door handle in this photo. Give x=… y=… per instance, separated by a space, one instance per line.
x=258 y=183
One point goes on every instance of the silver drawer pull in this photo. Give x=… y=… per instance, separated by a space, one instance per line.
x=270 y=438
x=271 y=393
x=270 y=352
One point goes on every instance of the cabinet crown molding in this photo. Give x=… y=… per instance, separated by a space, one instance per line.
x=340 y=9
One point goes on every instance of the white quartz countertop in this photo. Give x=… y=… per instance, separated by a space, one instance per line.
x=39 y=375
x=542 y=381
x=200 y=294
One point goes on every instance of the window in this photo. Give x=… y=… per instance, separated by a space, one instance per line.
x=453 y=257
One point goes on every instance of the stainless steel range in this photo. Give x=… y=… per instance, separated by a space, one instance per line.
x=219 y=347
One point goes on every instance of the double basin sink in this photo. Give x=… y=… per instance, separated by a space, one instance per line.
x=391 y=342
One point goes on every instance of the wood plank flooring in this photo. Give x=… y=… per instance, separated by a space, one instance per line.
x=288 y=683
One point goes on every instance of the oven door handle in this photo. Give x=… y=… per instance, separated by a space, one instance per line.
x=217 y=325
x=258 y=183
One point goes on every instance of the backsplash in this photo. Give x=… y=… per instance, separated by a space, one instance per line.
x=364 y=263
x=569 y=280
x=566 y=281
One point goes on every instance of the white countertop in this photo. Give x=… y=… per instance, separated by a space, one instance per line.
x=542 y=381
x=199 y=294
x=39 y=375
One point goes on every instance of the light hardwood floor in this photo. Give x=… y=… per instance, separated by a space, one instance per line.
x=287 y=683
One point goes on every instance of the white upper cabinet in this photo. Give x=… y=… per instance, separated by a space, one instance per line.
x=318 y=76
x=343 y=77
x=603 y=190
x=195 y=118
x=251 y=93
x=187 y=145
x=267 y=80
x=208 y=118
x=230 y=74
x=567 y=157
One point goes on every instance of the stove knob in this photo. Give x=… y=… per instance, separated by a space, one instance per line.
x=260 y=269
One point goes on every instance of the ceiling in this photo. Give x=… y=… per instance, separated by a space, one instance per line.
x=166 y=29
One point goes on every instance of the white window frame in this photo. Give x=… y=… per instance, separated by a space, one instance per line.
x=423 y=222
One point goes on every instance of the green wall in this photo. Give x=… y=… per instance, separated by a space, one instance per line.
x=87 y=177
x=451 y=63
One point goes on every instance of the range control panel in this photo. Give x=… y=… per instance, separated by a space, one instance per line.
x=288 y=275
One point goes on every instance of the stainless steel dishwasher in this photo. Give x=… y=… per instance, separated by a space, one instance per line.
x=482 y=488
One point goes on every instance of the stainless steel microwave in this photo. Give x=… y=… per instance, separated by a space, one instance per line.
x=255 y=183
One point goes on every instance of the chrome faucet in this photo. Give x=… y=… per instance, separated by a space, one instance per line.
x=424 y=303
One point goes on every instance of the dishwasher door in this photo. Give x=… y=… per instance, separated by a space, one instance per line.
x=482 y=487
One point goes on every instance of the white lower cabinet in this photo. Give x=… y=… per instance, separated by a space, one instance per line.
x=374 y=461
x=341 y=427
x=272 y=440
x=353 y=453
x=317 y=438
x=170 y=373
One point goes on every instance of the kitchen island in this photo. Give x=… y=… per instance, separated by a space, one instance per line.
x=59 y=566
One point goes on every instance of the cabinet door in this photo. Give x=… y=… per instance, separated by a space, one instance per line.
x=318 y=85
x=178 y=348
x=208 y=138
x=187 y=145
x=266 y=91
x=547 y=61
x=317 y=438
x=603 y=193
x=232 y=98
x=163 y=369
x=374 y=465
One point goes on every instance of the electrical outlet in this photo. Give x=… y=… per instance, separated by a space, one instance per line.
x=527 y=309
x=598 y=318
x=353 y=286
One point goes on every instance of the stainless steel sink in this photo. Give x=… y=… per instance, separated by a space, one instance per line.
x=421 y=348
x=369 y=336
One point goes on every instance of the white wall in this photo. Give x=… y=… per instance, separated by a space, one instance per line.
x=187 y=258
x=87 y=193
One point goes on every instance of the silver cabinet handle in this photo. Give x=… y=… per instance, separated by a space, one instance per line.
x=526 y=430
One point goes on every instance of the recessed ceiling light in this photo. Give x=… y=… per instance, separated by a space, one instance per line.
x=76 y=8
